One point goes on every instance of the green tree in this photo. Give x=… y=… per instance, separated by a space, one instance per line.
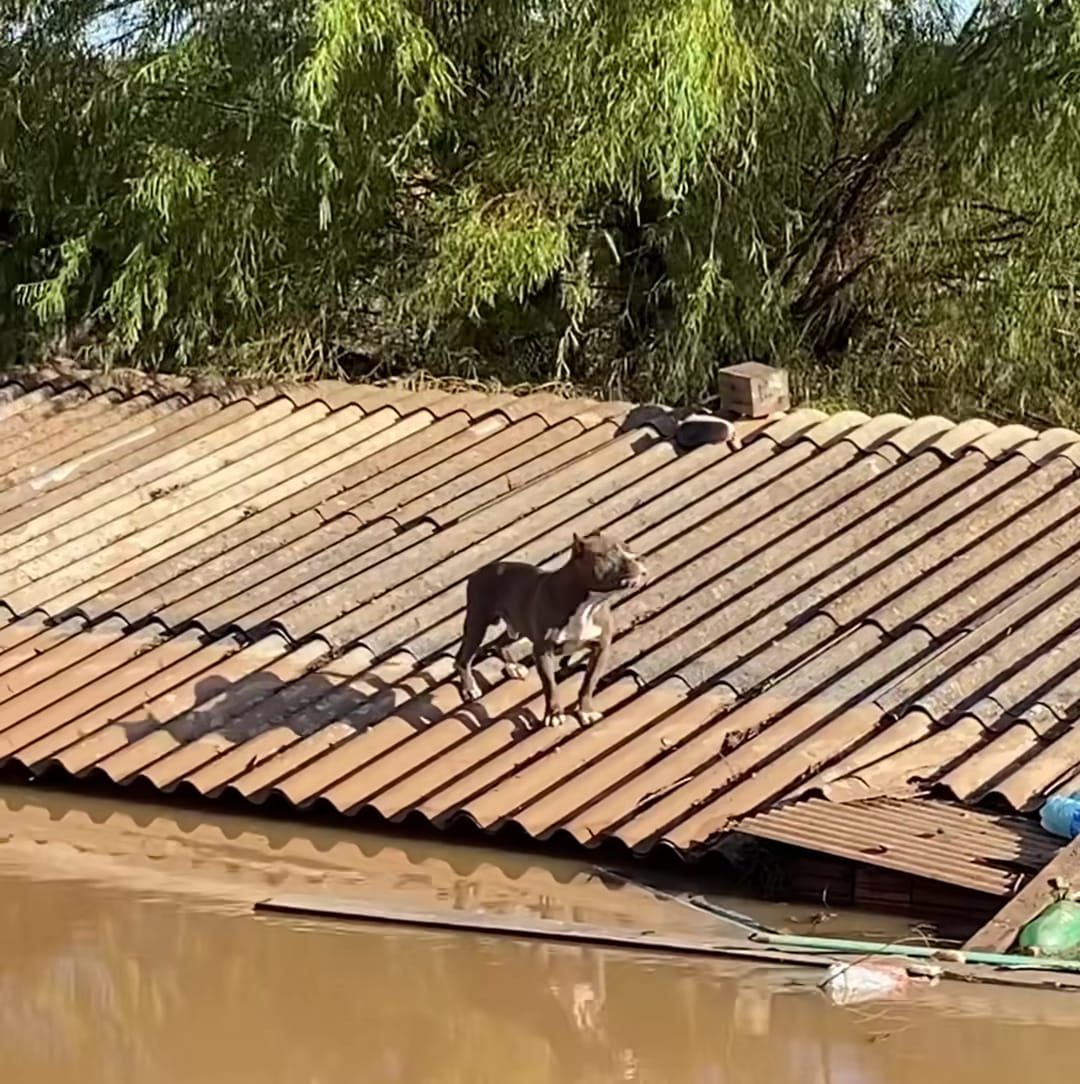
x=623 y=193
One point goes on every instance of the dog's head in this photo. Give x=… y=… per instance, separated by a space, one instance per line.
x=605 y=564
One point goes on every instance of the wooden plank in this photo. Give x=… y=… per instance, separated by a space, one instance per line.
x=736 y=922
x=642 y=940
x=522 y=927
x=1002 y=930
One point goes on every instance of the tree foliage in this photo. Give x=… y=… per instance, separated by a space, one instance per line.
x=880 y=194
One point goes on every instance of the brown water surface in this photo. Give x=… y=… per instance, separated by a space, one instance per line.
x=130 y=954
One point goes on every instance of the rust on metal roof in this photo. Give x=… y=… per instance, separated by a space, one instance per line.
x=971 y=848
x=258 y=590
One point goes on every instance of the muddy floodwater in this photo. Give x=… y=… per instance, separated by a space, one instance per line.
x=130 y=953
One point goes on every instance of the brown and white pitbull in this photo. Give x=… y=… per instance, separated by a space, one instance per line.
x=560 y=612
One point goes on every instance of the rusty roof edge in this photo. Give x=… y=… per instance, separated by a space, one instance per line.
x=869 y=433
x=514 y=403
x=903 y=818
x=61 y=372
x=334 y=393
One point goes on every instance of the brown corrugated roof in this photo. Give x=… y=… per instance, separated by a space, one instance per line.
x=940 y=841
x=258 y=590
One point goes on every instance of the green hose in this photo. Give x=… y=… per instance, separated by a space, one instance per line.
x=917 y=952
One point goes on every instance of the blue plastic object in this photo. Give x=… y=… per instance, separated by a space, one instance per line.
x=1060 y=815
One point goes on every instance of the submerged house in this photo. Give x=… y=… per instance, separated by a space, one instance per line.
x=858 y=647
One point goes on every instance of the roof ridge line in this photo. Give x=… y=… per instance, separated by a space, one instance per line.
x=909 y=436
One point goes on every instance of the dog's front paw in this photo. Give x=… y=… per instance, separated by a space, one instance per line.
x=557 y=718
x=587 y=718
x=516 y=670
x=470 y=690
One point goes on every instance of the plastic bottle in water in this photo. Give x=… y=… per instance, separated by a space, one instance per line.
x=1060 y=815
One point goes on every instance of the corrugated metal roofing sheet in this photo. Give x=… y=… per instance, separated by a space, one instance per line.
x=257 y=590
x=975 y=849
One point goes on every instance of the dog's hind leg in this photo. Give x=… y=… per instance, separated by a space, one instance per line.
x=511 y=667
x=477 y=621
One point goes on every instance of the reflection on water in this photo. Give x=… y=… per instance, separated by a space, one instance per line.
x=106 y=983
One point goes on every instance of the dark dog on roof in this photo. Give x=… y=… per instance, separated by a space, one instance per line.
x=561 y=612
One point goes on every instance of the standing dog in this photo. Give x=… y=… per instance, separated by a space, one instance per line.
x=560 y=612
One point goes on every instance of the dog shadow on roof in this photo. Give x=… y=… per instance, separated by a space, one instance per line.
x=240 y=725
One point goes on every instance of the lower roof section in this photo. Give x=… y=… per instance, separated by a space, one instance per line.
x=971 y=848
x=258 y=592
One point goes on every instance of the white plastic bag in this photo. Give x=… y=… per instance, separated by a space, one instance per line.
x=851 y=984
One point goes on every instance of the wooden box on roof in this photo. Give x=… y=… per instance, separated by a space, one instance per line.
x=753 y=390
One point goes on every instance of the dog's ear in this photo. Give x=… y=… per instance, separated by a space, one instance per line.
x=577 y=547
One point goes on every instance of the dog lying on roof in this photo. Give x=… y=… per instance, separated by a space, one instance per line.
x=561 y=612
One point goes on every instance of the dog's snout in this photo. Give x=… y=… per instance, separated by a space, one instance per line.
x=638 y=573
